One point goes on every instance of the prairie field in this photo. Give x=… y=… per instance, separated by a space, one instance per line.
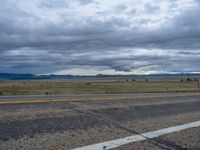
x=95 y=86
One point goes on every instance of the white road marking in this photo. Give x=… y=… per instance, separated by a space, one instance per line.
x=135 y=138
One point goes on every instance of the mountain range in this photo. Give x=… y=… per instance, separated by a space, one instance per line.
x=27 y=76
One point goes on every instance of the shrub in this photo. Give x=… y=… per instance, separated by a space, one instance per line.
x=188 y=79
x=88 y=83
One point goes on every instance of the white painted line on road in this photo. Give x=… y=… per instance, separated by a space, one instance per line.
x=135 y=138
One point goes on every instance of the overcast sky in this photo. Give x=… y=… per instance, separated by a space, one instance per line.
x=99 y=36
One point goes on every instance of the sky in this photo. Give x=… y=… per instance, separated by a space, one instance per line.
x=89 y=37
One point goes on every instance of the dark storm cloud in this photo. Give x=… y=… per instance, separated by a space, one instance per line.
x=85 y=2
x=56 y=4
x=44 y=36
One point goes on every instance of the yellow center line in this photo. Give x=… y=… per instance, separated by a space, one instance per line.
x=91 y=99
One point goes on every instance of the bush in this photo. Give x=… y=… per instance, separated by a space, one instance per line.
x=88 y=83
x=47 y=93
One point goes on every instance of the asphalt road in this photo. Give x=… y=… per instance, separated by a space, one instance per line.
x=79 y=120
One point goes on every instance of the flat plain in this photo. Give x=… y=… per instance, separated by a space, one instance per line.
x=95 y=86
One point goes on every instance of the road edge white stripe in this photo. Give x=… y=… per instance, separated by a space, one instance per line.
x=135 y=138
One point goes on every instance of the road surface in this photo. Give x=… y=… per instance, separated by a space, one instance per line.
x=69 y=122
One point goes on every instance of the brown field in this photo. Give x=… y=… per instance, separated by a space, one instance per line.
x=94 y=86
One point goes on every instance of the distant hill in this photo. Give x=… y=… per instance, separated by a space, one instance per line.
x=14 y=76
x=153 y=75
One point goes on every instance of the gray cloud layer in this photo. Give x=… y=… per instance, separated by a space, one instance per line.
x=46 y=36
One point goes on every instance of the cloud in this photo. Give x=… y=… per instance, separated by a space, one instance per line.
x=130 y=36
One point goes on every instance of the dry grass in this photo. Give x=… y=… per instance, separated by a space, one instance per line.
x=62 y=87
